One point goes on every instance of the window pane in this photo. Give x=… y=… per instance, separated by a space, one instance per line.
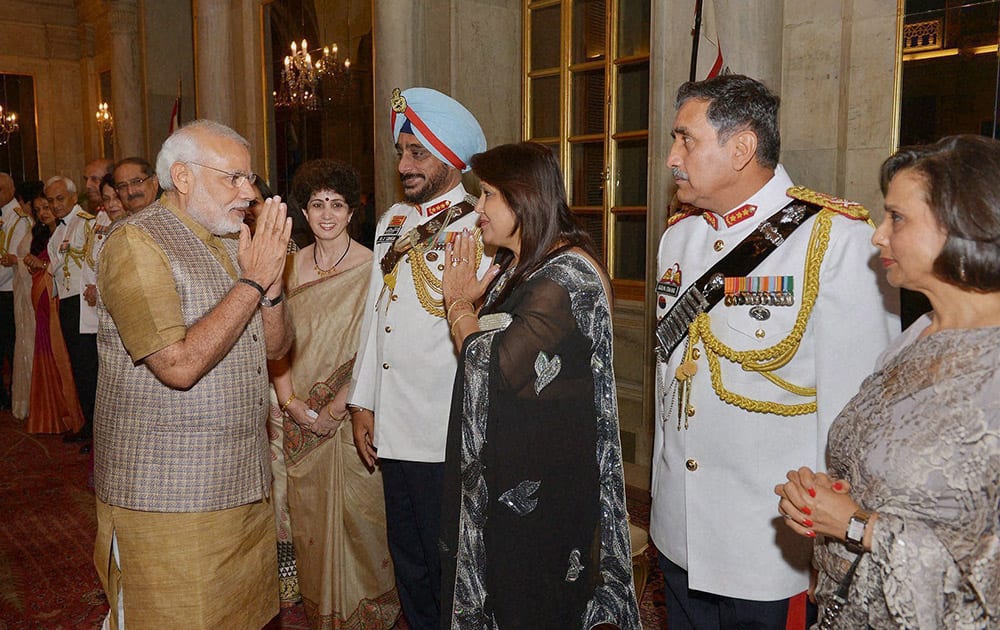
x=633 y=97
x=593 y=224
x=589 y=18
x=633 y=27
x=588 y=102
x=632 y=165
x=545 y=107
x=630 y=246
x=545 y=33
x=587 y=163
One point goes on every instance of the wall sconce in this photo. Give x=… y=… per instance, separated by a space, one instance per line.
x=8 y=125
x=105 y=122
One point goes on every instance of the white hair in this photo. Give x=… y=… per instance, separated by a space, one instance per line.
x=70 y=186
x=184 y=145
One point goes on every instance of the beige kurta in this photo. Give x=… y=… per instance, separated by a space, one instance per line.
x=345 y=573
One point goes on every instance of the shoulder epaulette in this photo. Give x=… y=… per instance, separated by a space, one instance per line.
x=684 y=211
x=83 y=214
x=849 y=209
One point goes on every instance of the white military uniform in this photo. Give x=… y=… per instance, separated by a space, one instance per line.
x=714 y=511
x=405 y=368
x=68 y=264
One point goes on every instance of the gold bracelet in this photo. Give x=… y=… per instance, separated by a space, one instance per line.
x=458 y=319
x=456 y=303
x=287 y=402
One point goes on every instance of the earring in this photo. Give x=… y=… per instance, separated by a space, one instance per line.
x=961 y=268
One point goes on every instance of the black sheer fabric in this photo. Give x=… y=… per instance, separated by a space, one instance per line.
x=534 y=532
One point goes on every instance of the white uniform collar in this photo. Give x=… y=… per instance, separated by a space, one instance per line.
x=770 y=193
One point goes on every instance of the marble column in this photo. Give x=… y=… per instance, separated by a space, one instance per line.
x=213 y=61
x=126 y=84
x=751 y=34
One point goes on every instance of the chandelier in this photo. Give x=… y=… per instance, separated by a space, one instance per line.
x=105 y=122
x=298 y=80
x=8 y=125
x=301 y=78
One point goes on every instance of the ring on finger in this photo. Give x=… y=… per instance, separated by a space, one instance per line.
x=454 y=263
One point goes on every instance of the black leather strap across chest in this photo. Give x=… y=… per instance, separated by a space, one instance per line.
x=706 y=291
x=424 y=232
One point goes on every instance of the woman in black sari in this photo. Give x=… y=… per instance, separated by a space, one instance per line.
x=534 y=530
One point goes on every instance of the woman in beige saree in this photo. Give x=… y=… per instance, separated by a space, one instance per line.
x=336 y=504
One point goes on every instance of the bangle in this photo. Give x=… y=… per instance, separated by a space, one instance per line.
x=456 y=303
x=458 y=319
x=286 y=403
x=254 y=285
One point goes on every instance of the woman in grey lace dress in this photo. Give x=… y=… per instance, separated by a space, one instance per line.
x=534 y=531
x=912 y=497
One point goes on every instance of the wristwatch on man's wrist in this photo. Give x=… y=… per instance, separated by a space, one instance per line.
x=855 y=535
x=266 y=301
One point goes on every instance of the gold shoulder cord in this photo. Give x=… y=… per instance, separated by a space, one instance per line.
x=425 y=283
x=766 y=360
x=88 y=245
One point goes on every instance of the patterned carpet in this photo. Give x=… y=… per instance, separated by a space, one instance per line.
x=47 y=528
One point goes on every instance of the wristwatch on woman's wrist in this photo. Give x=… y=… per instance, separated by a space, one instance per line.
x=855 y=535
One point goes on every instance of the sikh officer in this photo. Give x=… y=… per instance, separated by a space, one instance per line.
x=789 y=325
x=406 y=364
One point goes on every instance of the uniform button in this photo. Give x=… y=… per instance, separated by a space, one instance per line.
x=388 y=329
x=690 y=410
x=255 y=337
x=691 y=464
x=760 y=334
x=406 y=259
x=719 y=245
x=385 y=366
x=260 y=402
x=394 y=297
x=440 y=267
x=258 y=369
x=695 y=354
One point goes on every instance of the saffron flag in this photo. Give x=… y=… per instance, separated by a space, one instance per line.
x=175 y=116
x=710 y=59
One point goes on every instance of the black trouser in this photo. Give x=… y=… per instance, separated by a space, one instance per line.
x=695 y=610
x=82 y=358
x=413 y=521
x=7 y=332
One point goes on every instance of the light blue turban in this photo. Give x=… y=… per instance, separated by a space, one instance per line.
x=448 y=130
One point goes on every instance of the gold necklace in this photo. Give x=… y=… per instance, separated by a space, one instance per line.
x=322 y=273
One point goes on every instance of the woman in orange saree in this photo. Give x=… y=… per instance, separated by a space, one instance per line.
x=54 y=406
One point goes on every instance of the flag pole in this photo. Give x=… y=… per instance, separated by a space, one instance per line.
x=696 y=35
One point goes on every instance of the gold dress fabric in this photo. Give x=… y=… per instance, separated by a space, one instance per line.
x=24 y=322
x=345 y=574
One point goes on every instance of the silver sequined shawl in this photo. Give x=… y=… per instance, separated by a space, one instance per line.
x=613 y=597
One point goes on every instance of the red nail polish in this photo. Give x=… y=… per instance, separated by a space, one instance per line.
x=812 y=492
x=811 y=534
x=806 y=510
x=838 y=486
x=807 y=522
